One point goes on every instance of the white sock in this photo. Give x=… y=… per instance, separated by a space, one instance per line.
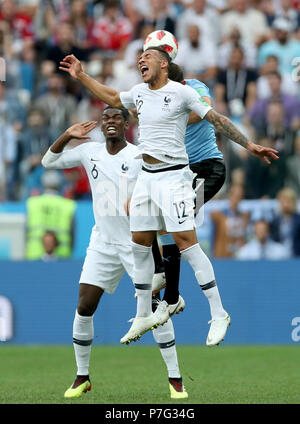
x=205 y=276
x=83 y=334
x=143 y=272
x=165 y=338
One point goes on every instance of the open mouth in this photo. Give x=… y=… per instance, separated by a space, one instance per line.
x=144 y=70
x=111 y=130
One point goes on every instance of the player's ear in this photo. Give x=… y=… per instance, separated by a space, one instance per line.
x=101 y=125
x=126 y=125
x=165 y=65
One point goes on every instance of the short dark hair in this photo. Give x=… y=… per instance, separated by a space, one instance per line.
x=164 y=54
x=111 y=4
x=124 y=112
x=175 y=73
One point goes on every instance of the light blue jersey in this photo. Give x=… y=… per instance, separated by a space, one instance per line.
x=200 y=138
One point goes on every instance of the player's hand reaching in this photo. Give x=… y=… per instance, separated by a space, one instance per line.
x=262 y=152
x=80 y=131
x=71 y=65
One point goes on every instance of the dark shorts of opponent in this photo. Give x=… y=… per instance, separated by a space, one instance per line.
x=214 y=173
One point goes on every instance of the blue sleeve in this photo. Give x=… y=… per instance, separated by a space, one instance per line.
x=199 y=86
x=264 y=52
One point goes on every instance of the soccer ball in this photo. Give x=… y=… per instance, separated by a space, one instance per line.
x=163 y=39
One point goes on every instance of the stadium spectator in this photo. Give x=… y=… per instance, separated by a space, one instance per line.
x=34 y=141
x=21 y=73
x=131 y=77
x=90 y=108
x=50 y=243
x=286 y=11
x=282 y=46
x=27 y=70
x=50 y=212
x=136 y=11
x=79 y=187
x=112 y=31
x=8 y=150
x=65 y=44
x=11 y=109
x=258 y=112
x=230 y=225
x=136 y=45
x=263 y=181
x=293 y=167
x=251 y=23
x=262 y=247
x=58 y=107
x=207 y=20
x=160 y=17
x=271 y=65
x=285 y=227
x=235 y=83
x=197 y=58
x=276 y=129
x=234 y=40
x=107 y=73
x=82 y=24
x=20 y=23
x=267 y=7
x=48 y=16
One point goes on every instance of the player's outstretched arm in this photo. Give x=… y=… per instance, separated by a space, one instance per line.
x=194 y=118
x=226 y=127
x=56 y=158
x=108 y=95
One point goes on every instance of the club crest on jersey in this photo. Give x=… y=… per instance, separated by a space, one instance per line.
x=167 y=100
x=124 y=167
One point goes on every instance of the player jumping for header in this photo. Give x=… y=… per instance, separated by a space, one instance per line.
x=165 y=182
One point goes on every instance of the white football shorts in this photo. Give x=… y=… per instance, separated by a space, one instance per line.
x=105 y=266
x=163 y=200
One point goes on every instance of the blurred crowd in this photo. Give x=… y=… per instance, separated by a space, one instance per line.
x=246 y=51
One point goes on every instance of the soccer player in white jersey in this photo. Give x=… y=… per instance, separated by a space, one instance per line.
x=112 y=172
x=165 y=182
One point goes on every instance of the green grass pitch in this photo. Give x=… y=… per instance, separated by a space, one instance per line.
x=136 y=374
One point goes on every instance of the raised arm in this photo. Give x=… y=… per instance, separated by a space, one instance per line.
x=108 y=95
x=226 y=127
x=56 y=158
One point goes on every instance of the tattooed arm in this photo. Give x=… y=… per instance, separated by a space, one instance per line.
x=226 y=127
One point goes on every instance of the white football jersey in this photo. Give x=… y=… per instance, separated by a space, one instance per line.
x=112 y=179
x=163 y=115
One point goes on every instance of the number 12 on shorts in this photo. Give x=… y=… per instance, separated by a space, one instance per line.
x=180 y=210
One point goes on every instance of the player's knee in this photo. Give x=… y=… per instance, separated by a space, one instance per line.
x=185 y=239
x=143 y=238
x=85 y=310
x=184 y=244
